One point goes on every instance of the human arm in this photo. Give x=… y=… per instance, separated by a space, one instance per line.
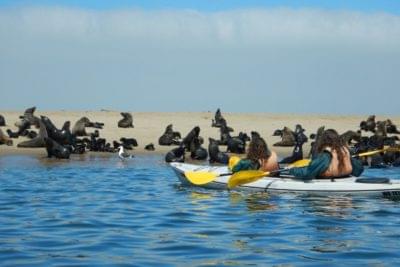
x=316 y=167
x=357 y=166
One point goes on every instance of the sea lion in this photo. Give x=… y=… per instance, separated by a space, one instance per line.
x=214 y=154
x=381 y=128
x=224 y=135
x=55 y=149
x=297 y=153
x=28 y=117
x=23 y=125
x=128 y=142
x=169 y=137
x=126 y=121
x=2 y=121
x=196 y=150
x=150 y=147
x=391 y=128
x=237 y=144
x=190 y=136
x=350 y=136
x=5 y=139
x=79 y=127
x=38 y=141
x=218 y=119
x=288 y=137
x=176 y=155
x=313 y=150
x=369 y=124
x=254 y=135
x=63 y=136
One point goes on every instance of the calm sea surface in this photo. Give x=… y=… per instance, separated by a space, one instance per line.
x=99 y=211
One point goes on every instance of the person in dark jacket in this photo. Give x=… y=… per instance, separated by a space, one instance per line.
x=332 y=160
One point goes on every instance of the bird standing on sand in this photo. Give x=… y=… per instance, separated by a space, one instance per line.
x=122 y=154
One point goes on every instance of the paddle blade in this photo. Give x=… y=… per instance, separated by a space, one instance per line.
x=370 y=153
x=200 y=178
x=300 y=163
x=244 y=177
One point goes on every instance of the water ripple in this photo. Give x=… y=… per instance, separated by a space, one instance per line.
x=98 y=211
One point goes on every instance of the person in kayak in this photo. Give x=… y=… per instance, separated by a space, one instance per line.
x=332 y=160
x=259 y=157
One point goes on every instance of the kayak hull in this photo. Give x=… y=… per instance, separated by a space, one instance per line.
x=342 y=186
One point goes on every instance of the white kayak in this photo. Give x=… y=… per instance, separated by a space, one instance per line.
x=344 y=186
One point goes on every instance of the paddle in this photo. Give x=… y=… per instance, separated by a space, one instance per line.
x=244 y=177
x=202 y=177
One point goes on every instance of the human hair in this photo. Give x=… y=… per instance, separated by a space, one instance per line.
x=330 y=138
x=258 y=149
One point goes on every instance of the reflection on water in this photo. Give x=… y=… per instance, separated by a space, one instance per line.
x=100 y=210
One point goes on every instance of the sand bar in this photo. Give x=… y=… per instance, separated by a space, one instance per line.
x=149 y=126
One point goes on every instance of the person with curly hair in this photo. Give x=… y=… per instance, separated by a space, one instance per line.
x=332 y=160
x=259 y=157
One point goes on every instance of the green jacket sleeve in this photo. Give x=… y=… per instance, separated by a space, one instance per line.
x=317 y=166
x=358 y=167
x=243 y=165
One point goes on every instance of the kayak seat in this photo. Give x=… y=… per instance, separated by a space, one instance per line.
x=373 y=180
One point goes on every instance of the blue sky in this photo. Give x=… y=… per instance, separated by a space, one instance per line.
x=333 y=57
x=390 y=6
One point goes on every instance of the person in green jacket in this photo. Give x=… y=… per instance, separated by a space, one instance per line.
x=333 y=160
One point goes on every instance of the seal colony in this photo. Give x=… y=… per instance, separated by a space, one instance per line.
x=210 y=137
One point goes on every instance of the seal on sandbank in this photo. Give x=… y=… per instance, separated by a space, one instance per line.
x=126 y=121
x=5 y=139
x=38 y=141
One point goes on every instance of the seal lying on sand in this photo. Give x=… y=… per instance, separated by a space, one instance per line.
x=2 y=121
x=55 y=149
x=38 y=141
x=214 y=154
x=287 y=135
x=128 y=143
x=126 y=121
x=169 y=137
x=176 y=155
x=150 y=147
x=4 y=139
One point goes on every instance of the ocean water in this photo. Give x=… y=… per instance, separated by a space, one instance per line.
x=99 y=211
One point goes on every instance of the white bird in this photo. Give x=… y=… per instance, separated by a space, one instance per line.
x=122 y=154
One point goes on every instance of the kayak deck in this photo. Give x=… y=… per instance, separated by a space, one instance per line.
x=286 y=183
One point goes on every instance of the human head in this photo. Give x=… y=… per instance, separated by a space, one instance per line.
x=258 y=149
x=329 y=138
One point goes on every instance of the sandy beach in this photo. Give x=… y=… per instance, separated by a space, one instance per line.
x=149 y=126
